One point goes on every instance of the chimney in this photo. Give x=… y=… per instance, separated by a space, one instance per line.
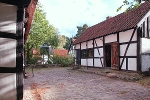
x=108 y=17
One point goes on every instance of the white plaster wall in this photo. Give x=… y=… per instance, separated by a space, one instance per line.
x=97 y=62
x=7 y=86
x=132 y=50
x=84 y=62
x=8 y=15
x=96 y=54
x=7 y=52
x=145 y=45
x=99 y=42
x=126 y=35
x=145 y=62
x=90 y=61
x=83 y=45
x=124 y=63
x=90 y=44
x=77 y=46
x=145 y=49
x=132 y=64
x=111 y=38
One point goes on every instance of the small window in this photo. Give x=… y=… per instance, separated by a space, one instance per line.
x=87 y=53
x=83 y=53
x=90 y=53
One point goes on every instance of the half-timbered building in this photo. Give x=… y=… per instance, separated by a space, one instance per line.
x=15 y=22
x=121 y=42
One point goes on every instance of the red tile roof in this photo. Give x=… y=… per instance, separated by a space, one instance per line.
x=121 y=22
x=60 y=52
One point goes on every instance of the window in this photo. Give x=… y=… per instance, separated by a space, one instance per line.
x=90 y=53
x=87 y=53
x=83 y=53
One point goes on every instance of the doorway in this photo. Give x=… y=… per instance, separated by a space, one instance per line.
x=78 y=57
x=108 y=55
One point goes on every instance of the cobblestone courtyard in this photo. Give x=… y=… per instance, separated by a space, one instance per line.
x=63 y=84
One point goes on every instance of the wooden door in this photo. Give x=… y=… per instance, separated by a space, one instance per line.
x=114 y=56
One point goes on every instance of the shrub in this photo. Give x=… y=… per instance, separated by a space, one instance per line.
x=64 y=61
x=33 y=60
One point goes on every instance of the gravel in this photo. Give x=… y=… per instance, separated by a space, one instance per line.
x=63 y=84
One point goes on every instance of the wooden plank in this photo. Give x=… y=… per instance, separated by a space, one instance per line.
x=139 y=32
x=19 y=51
x=127 y=56
x=8 y=35
x=126 y=63
x=93 y=53
x=148 y=27
x=127 y=42
x=7 y=70
x=128 y=46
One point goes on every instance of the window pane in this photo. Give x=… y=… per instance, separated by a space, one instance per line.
x=90 y=53
x=84 y=53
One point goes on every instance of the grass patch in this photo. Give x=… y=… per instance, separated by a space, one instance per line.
x=145 y=81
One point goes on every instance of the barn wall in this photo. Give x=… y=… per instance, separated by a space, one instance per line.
x=90 y=44
x=126 y=35
x=7 y=86
x=7 y=52
x=99 y=42
x=8 y=16
x=97 y=62
x=111 y=38
x=96 y=53
x=145 y=53
x=130 y=62
x=83 y=45
x=77 y=46
x=132 y=50
x=84 y=62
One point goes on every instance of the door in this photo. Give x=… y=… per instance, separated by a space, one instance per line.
x=108 y=55
x=78 y=58
x=114 y=55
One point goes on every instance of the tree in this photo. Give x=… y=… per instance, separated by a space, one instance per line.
x=68 y=42
x=41 y=32
x=131 y=4
x=62 y=41
x=81 y=29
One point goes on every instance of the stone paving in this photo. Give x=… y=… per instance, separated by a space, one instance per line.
x=64 y=84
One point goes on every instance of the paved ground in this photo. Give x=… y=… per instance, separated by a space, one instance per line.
x=63 y=84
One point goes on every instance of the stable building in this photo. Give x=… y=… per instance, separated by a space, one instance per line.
x=15 y=22
x=121 y=42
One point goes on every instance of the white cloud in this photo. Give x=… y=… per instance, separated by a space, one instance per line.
x=66 y=15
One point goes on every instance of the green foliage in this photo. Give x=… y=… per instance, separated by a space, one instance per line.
x=41 y=32
x=68 y=42
x=43 y=51
x=62 y=41
x=33 y=60
x=81 y=29
x=64 y=61
x=130 y=4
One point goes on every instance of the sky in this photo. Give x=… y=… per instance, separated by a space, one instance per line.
x=66 y=15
